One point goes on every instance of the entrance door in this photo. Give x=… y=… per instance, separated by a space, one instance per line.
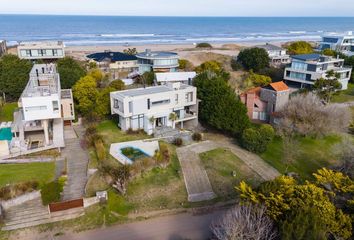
x=160 y=121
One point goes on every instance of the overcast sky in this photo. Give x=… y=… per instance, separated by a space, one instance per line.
x=182 y=7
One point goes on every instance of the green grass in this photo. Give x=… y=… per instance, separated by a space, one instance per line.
x=6 y=112
x=50 y=192
x=311 y=154
x=112 y=134
x=345 y=96
x=15 y=173
x=220 y=165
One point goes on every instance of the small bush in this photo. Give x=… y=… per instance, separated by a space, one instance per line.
x=12 y=191
x=197 y=137
x=130 y=131
x=257 y=140
x=235 y=65
x=178 y=142
x=91 y=130
x=100 y=150
x=51 y=192
x=204 y=45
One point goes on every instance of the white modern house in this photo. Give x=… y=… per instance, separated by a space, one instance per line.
x=41 y=50
x=171 y=105
x=343 y=43
x=306 y=69
x=157 y=61
x=43 y=108
x=173 y=77
x=277 y=55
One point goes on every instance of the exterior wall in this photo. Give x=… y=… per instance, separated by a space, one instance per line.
x=33 y=51
x=37 y=108
x=275 y=100
x=135 y=113
x=124 y=65
x=68 y=112
x=253 y=112
x=3 y=49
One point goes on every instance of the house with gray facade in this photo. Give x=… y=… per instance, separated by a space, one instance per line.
x=306 y=69
x=277 y=55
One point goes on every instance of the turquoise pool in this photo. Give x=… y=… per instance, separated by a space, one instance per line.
x=5 y=134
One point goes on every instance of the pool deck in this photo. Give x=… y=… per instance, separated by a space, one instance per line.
x=146 y=146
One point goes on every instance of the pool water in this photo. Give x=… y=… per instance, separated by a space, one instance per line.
x=133 y=153
x=5 y=134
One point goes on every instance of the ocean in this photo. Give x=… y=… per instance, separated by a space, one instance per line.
x=114 y=30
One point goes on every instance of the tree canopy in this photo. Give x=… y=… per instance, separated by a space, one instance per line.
x=70 y=71
x=284 y=197
x=326 y=87
x=85 y=93
x=254 y=58
x=14 y=75
x=300 y=47
x=258 y=80
x=220 y=107
x=117 y=85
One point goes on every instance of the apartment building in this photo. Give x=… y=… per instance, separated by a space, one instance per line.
x=343 y=43
x=277 y=55
x=172 y=105
x=43 y=108
x=118 y=64
x=173 y=77
x=41 y=50
x=306 y=69
x=157 y=61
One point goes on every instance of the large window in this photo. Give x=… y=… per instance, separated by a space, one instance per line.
x=161 y=102
x=137 y=122
x=296 y=75
x=55 y=106
x=330 y=40
x=36 y=108
x=165 y=62
x=299 y=65
x=189 y=97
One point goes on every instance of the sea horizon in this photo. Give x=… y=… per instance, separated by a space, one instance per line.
x=90 y=30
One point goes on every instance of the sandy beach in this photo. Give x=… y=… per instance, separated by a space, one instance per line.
x=185 y=51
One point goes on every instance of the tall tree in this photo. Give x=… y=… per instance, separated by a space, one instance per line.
x=219 y=106
x=326 y=87
x=13 y=76
x=70 y=71
x=254 y=58
x=85 y=94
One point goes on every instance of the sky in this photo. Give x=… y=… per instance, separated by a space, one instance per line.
x=180 y=7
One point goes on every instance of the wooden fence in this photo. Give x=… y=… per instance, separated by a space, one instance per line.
x=56 y=207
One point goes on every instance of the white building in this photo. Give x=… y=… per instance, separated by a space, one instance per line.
x=43 y=108
x=173 y=77
x=3 y=48
x=276 y=54
x=306 y=69
x=157 y=61
x=339 y=42
x=41 y=50
x=172 y=105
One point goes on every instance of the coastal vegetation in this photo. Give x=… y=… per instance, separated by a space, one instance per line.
x=204 y=45
x=13 y=76
x=299 y=47
x=6 y=111
x=254 y=59
x=70 y=71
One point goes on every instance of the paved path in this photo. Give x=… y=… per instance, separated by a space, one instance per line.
x=77 y=161
x=195 y=177
x=175 y=227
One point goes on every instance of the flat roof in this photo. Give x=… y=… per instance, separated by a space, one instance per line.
x=156 y=54
x=175 y=76
x=43 y=43
x=307 y=57
x=144 y=91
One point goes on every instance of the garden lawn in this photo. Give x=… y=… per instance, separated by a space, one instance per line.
x=15 y=173
x=345 y=96
x=6 y=112
x=112 y=134
x=220 y=164
x=311 y=155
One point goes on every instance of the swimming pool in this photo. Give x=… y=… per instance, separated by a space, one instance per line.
x=133 y=153
x=5 y=134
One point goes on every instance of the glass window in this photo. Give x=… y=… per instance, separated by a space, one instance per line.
x=55 y=105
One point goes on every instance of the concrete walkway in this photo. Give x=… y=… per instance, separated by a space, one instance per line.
x=195 y=177
x=77 y=162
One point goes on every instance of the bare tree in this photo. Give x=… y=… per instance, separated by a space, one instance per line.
x=345 y=152
x=244 y=222
x=306 y=115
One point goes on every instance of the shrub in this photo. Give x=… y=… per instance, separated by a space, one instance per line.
x=90 y=130
x=100 y=150
x=235 y=65
x=163 y=156
x=300 y=47
x=178 y=142
x=204 y=45
x=257 y=140
x=254 y=58
x=258 y=80
x=185 y=65
x=197 y=137
x=51 y=192
x=117 y=85
x=12 y=191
